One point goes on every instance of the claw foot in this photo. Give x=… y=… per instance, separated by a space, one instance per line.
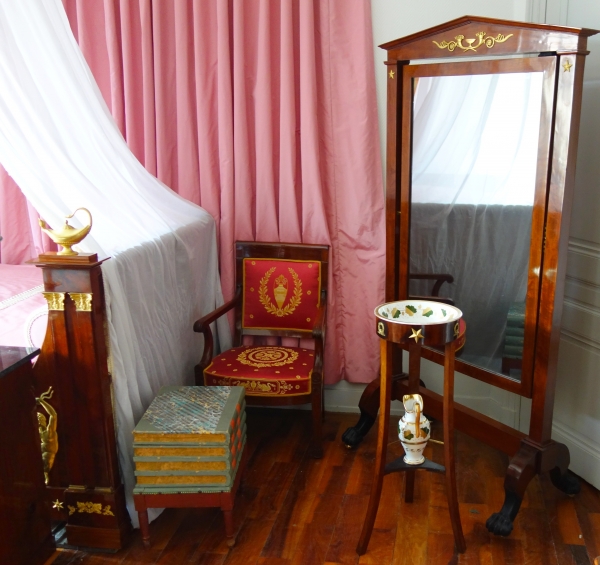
x=354 y=435
x=499 y=524
x=567 y=483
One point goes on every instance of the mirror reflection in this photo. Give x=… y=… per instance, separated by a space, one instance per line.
x=475 y=145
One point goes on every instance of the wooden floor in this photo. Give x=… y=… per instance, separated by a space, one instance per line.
x=293 y=510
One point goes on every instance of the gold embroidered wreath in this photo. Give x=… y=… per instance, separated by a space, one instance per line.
x=266 y=301
x=267 y=356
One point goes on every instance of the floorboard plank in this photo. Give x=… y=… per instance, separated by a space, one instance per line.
x=313 y=544
x=208 y=559
x=507 y=551
x=249 y=542
x=381 y=547
x=537 y=536
x=568 y=523
x=411 y=535
x=342 y=548
x=185 y=541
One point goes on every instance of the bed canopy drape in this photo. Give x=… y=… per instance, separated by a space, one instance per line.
x=59 y=142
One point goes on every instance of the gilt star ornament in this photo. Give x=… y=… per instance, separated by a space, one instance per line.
x=391 y=74
x=416 y=334
x=57 y=504
x=567 y=66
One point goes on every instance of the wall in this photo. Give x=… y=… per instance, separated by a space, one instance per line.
x=577 y=404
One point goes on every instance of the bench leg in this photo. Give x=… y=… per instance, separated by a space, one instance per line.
x=144 y=527
x=229 y=529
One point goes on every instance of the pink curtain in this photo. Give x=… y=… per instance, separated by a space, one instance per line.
x=22 y=237
x=264 y=113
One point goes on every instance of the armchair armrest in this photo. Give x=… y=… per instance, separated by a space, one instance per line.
x=318 y=334
x=320 y=323
x=440 y=279
x=203 y=326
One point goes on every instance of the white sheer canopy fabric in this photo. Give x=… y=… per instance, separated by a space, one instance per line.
x=60 y=144
x=475 y=145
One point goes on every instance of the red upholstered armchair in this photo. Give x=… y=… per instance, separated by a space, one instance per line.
x=281 y=290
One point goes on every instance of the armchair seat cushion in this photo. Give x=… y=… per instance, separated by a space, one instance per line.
x=263 y=370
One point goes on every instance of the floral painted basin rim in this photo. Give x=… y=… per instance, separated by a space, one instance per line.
x=417 y=312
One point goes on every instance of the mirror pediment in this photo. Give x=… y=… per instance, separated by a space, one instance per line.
x=471 y=36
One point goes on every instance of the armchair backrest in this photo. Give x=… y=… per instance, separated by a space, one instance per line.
x=283 y=288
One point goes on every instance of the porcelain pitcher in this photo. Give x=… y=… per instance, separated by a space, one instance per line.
x=414 y=429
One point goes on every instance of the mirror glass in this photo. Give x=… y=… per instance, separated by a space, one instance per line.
x=475 y=148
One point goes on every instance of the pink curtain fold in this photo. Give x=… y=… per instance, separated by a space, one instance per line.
x=264 y=113
x=22 y=237
x=14 y=218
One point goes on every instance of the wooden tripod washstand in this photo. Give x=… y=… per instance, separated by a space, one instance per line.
x=415 y=323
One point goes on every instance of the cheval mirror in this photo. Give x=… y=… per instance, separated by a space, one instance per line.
x=482 y=128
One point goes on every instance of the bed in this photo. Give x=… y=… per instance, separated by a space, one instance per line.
x=23 y=308
x=45 y=306
x=60 y=305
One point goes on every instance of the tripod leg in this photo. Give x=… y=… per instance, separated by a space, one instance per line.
x=414 y=378
x=382 y=436
x=449 y=452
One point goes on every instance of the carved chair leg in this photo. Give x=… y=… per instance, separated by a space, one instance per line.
x=317 y=417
